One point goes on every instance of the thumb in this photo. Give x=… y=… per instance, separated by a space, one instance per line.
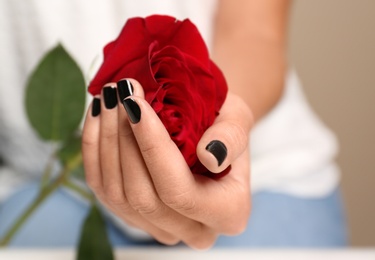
x=228 y=137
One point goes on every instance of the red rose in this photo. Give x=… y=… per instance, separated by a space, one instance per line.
x=171 y=61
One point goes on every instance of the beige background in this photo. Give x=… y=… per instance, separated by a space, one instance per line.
x=332 y=45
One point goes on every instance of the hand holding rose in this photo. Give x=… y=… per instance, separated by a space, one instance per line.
x=181 y=83
x=139 y=173
x=151 y=170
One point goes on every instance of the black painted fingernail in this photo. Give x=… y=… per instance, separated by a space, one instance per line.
x=133 y=110
x=125 y=89
x=95 y=110
x=110 y=97
x=218 y=149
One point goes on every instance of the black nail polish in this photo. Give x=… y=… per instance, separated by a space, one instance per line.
x=95 y=110
x=218 y=149
x=133 y=110
x=110 y=97
x=125 y=89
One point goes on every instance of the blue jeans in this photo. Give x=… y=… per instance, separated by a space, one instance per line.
x=277 y=220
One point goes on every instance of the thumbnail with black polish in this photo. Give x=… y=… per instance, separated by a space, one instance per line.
x=218 y=149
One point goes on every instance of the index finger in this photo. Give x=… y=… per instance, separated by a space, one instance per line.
x=158 y=150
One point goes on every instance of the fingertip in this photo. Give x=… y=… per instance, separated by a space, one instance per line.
x=124 y=89
x=213 y=155
x=129 y=87
x=218 y=150
x=109 y=96
x=226 y=139
x=90 y=131
x=95 y=106
x=133 y=110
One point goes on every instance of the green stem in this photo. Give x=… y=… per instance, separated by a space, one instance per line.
x=47 y=172
x=76 y=188
x=43 y=194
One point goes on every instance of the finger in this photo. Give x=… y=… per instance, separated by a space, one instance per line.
x=109 y=147
x=90 y=145
x=135 y=175
x=157 y=148
x=112 y=192
x=91 y=160
x=136 y=179
x=141 y=193
x=227 y=138
x=171 y=176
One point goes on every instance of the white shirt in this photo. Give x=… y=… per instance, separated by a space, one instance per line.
x=292 y=151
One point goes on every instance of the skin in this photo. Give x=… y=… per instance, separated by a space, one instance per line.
x=252 y=55
x=139 y=174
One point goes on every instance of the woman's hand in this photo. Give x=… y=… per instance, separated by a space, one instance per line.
x=137 y=171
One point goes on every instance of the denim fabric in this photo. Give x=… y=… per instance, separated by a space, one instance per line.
x=277 y=220
x=280 y=220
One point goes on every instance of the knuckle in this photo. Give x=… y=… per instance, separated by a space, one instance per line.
x=88 y=141
x=124 y=130
x=109 y=135
x=149 y=151
x=125 y=134
x=181 y=202
x=145 y=208
x=144 y=205
x=114 y=195
x=153 y=151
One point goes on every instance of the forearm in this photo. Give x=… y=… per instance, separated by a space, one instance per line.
x=250 y=48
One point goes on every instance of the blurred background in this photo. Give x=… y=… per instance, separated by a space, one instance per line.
x=332 y=46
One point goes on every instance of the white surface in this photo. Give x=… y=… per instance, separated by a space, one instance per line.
x=182 y=254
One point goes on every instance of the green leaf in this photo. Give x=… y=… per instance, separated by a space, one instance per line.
x=94 y=243
x=55 y=96
x=70 y=148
